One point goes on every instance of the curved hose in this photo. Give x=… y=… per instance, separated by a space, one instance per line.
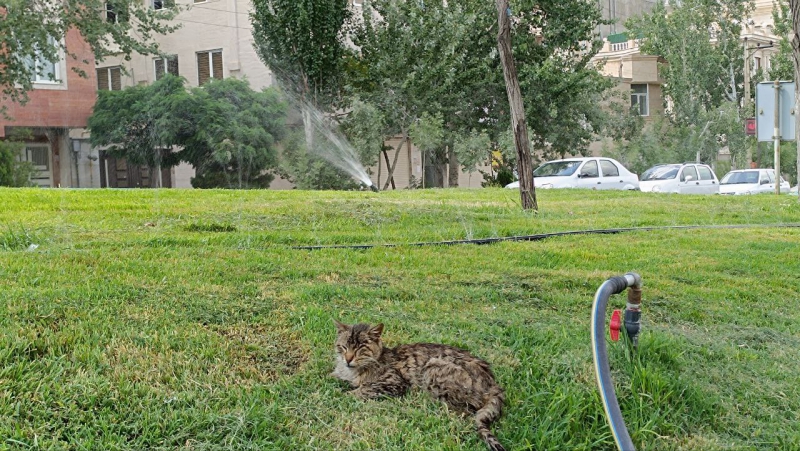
x=543 y=236
x=610 y=287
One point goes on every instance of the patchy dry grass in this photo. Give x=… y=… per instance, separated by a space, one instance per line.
x=185 y=320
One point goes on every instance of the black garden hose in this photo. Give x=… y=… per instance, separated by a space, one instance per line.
x=612 y=286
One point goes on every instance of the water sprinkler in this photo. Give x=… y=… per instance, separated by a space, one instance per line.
x=612 y=286
x=371 y=186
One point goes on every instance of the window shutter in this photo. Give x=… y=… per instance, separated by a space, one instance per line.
x=102 y=79
x=203 y=69
x=116 y=79
x=159 y=68
x=216 y=63
x=172 y=65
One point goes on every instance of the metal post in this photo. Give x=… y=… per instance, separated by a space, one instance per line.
x=748 y=147
x=777 y=137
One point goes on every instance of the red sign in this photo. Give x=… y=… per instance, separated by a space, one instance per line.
x=750 y=126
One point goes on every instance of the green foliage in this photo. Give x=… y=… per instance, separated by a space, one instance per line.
x=702 y=79
x=781 y=65
x=428 y=66
x=302 y=42
x=14 y=171
x=364 y=126
x=561 y=88
x=427 y=132
x=227 y=131
x=473 y=149
x=441 y=59
x=39 y=27
x=143 y=123
x=236 y=133
x=658 y=143
x=306 y=169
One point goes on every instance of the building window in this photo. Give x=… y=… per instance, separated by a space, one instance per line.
x=166 y=65
x=111 y=15
x=639 y=99
x=114 y=16
x=161 y=4
x=109 y=79
x=757 y=63
x=44 y=70
x=209 y=65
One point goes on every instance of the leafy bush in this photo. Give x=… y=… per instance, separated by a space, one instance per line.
x=14 y=172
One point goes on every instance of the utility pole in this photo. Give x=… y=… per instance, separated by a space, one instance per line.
x=749 y=148
x=777 y=136
x=519 y=128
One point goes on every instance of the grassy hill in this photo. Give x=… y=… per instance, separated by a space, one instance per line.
x=167 y=319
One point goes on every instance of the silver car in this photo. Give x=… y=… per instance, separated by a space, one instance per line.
x=587 y=172
x=687 y=178
x=751 y=181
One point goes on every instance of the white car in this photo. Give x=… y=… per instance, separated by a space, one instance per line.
x=687 y=178
x=751 y=181
x=586 y=172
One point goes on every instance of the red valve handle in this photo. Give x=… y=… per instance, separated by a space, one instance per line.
x=615 y=325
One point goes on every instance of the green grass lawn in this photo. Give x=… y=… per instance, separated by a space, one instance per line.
x=167 y=319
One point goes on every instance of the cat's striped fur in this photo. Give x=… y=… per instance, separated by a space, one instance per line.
x=453 y=375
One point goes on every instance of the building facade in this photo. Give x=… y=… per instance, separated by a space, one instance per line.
x=55 y=117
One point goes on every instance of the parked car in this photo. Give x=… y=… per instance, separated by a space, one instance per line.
x=586 y=172
x=751 y=181
x=687 y=178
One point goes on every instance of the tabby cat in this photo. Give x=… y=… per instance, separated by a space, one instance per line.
x=455 y=376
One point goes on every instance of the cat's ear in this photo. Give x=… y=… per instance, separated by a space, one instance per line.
x=341 y=327
x=376 y=331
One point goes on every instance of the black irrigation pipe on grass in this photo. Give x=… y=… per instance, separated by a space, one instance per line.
x=543 y=236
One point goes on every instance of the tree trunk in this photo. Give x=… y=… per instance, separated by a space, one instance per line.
x=794 y=38
x=526 y=189
x=390 y=167
x=453 y=168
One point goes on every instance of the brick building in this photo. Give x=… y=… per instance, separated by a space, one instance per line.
x=56 y=115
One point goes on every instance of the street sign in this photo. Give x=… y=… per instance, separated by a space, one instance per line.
x=765 y=111
x=750 y=126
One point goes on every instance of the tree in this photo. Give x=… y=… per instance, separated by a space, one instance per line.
x=13 y=171
x=227 y=131
x=32 y=30
x=235 y=136
x=703 y=72
x=143 y=123
x=303 y=43
x=518 y=127
x=428 y=58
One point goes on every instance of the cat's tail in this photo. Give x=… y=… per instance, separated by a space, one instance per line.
x=488 y=414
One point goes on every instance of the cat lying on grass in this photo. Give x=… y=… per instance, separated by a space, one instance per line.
x=455 y=376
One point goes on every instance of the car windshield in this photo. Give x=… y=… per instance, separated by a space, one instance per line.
x=737 y=178
x=660 y=173
x=557 y=168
